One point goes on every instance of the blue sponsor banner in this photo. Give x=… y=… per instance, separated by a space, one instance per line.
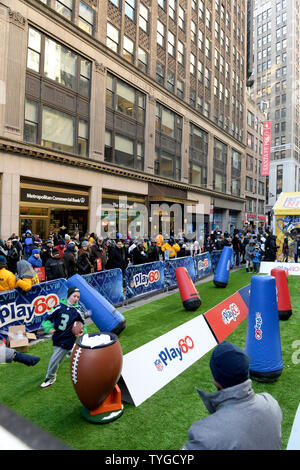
x=108 y=283
x=30 y=308
x=203 y=265
x=170 y=266
x=144 y=278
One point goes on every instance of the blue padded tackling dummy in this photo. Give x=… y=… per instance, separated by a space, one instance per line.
x=105 y=316
x=263 y=344
x=223 y=269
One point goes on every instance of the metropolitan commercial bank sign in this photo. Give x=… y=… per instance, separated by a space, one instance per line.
x=54 y=197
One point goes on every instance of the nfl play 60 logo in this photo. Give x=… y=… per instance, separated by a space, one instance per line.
x=168 y=355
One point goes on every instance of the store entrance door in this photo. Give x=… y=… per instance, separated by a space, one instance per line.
x=38 y=226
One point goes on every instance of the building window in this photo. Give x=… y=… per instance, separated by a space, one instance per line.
x=31 y=121
x=193 y=64
x=171 y=81
x=180 y=53
x=58 y=130
x=130 y=9
x=86 y=18
x=249 y=184
x=180 y=89
x=34 y=50
x=172 y=9
x=160 y=73
x=64 y=8
x=279 y=179
x=220 y=164
x=128 y=49
x=198 y=156
x=112 y=38
x=160 y=37
x=68 y=76
x=60 y=64
x=122 y=149
x=169 y=124
x=142 y=60
x=236 y=173
x=181 y=18
x=144 y=18
x=171 y=43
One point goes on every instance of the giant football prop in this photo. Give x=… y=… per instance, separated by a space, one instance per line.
x=189 y=295
x=263 y=344
x=283 y=294
x=95 y=367
x=105 y=316
x=221 y=276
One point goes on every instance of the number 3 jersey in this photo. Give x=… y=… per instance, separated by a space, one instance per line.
x=61 y=318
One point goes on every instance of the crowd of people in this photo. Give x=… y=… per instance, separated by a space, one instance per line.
x=64 y=256
x=249 y=248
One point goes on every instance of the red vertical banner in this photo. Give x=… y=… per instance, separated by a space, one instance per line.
x=266 y=149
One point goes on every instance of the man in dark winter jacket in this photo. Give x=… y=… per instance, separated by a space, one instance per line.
x=84 y=259
x=46 y=251
x=12 y=256
x=239 y=418
x=55 y=266
x=117 y=257
x=138 y=254
x=70 y=259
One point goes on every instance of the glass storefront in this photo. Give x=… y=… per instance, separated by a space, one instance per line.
x=124 y=214
x=51 y=208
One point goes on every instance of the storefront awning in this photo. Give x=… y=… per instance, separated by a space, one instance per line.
x=287 y=204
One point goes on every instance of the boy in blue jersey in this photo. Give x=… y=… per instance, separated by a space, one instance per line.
x=59 y=322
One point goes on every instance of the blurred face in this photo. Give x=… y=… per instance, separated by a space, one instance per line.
x=119 y=245
x=9 y=243
x=74 y=298
x=36 y=255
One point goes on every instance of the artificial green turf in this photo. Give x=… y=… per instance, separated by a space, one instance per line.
x=162 y=421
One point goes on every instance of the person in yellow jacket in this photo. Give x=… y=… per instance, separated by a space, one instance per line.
x=172 y=247
x=159 y=240
x=27 y=276
x=7 y=279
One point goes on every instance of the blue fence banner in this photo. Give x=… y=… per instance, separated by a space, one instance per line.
x=108 y=283
x=144 y=278
x=170 y=266
x=30 y=308
x=203 y=265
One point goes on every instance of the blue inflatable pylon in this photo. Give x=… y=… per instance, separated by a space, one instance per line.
x=263 y=344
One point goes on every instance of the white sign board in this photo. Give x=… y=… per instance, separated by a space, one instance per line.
x=292 y=268
x=150 y=367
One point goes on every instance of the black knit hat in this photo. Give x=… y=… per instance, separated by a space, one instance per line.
x=71 y=291
x=229 y=365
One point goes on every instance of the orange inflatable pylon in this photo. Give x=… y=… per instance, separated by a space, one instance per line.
x=283 y=294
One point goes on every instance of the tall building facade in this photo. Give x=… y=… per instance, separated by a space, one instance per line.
x=276 y=88
x=114 y=105
x=255 y=184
